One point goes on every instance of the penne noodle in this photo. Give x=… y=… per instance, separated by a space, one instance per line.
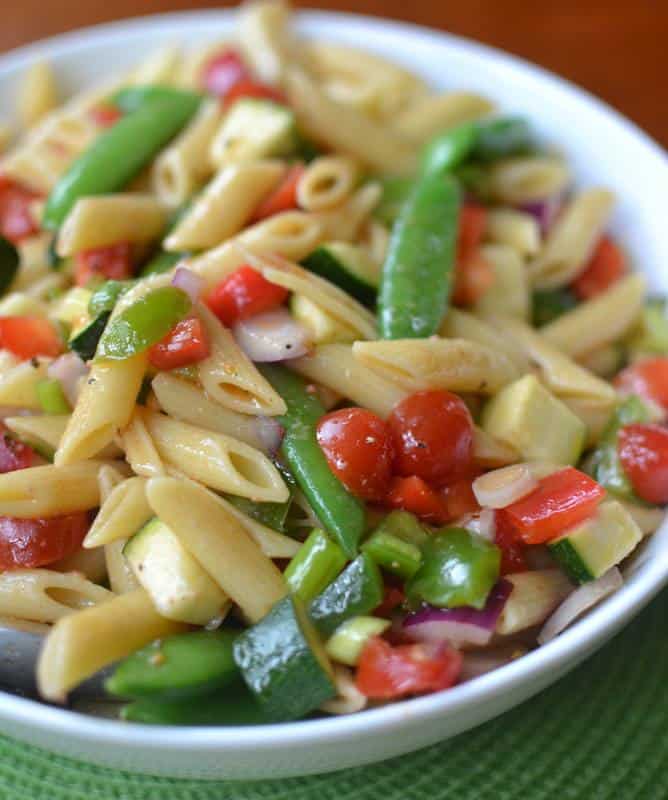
x=326 y=183
x=515 y=229
x=122 y=513
x=18 y=384
x=524 y=179
x=138 y=447
x=265 y=38
x=509 y=294
x=433 y=114
x=37 y=94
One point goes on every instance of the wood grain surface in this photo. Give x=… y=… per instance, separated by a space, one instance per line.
x=615 y=48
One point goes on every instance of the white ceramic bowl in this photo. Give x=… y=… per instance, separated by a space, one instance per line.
x=604 y=149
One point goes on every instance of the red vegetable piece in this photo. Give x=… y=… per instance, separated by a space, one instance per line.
x=648 y=379
x=560 y=501
x=104 y=115
x=606 y=266
x=28 y=337
x=106 y=263
x=392 y=599
x=643 y=452
x=284 y=197
x=433 y=436
x=14 y=454
x=223 y=71
x=249 y=88
x=473 y=273
x=243 y=294
x=358 y=448
x=512 y=550
x=414 y=495
x=459 y=498
x=386 y=672
x=187 y=343
x=16 y=219
x=30 y=543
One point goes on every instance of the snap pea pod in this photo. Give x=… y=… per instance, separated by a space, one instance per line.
x=143 y=323
x=182 y=665
x=9 y=264
x=131 y=98
x=418 y=272
x=395 y=191
x=449 y=149
x=119 y=154
x=341 y=514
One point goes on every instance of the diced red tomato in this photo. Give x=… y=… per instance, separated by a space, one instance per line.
x=643 y=452
x=459 y=498
x=223 y=71
x=414 y=495
x=16 y=219
x=560 y=501
x=14 y=454
x=243 y=294
x=473 y=273
x=284 y=197
x=30 y=543
x=606 y=266
x=358 y=448
x=512 y=550
x=249 y=88
x=648 y=379
x=187 y=343
x=107 y=263
x=386 y=672
x=104 y=115
x=433 y=436
x=27 y=337
x=392 y=599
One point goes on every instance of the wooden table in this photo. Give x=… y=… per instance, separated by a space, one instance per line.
x=614 y=48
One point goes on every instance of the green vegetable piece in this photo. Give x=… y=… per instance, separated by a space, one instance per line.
x=161 y=262
x=54 y=261
x=475 y=179
x=180 y=665
x=133 y=98
x=458 y=569
x=347 y=266
x=84 y=344
x=396 y=190
x=283 y=662
x=315 y=565
x=357 y=590
x=651 y=336
x=341 y=514
x=549 y=304
x=9 y=264
x=51 y=397
x=273 y=515
x=117 y=155
x=233 y=706
x=502 y=138
x=347 y=642
x=604 y=464
x=393 y=554
x=105 y=297
x=418 y=271
x=449 y=149
x=403 y=525
x=143 y=323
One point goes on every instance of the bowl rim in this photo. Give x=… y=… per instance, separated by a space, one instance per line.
x=574 y=644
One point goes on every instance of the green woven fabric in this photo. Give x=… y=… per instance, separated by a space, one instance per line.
x=599 y=734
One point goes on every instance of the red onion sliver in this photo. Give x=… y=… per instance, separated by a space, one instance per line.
x=270 y=433
x=578 y=602
x=189 y=282
x=545 y=211
x=271 y=336
x=461 y=626
x=68 y=369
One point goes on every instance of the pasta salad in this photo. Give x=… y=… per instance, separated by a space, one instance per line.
x=319 y=390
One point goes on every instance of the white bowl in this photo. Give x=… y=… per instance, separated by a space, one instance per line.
x=604 y=149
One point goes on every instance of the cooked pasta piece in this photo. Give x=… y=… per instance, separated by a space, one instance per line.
x=45 y=595
x=435 y=363
x=108 y=219
x=348 y=698
x=225 y=205
x=161 y=66
x=37 y=94
x=492 y=453
x=18 y=384
x=526 y=178
x=81 y=644
x=345 y=223
x=140 y=452
x=594 y=412
x=230 y=378
x=220 y=543
x=515 y=229
x=509 y=294
x=345 y=129
x=218 y=461
x=121 y=514
x=326 y=183
x=20 y=304
x=265 y=38
x=603 y=320
x=6 y=136
x=433 y=114
x=105 y=405
x=374 y=237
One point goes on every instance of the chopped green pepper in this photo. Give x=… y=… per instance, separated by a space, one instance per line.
x=51 y=397
x=105 y=297
x=393 y=554
x=403 y=525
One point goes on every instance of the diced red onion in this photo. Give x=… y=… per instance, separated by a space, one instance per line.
x=270 y=433
x=578 y=602
x=68 y=369
x=460 y=626
x=189 y=282
x=271 y=336
x=545 y=211
x=501 y=487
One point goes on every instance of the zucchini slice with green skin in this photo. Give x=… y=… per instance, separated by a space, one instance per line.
x=182 y=665
x=357 y=591
x=347 y=266
x=9 y=264
x=84 y=343
x=591 y=548
x=284 y=663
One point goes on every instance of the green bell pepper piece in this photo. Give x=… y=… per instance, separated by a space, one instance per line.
x=143 y=323
x=105 y=297
x=51 y=397
x=405 y=526
x=458 y=569
x=651 y=335
x=161 y=262
x=314 y=566
x=393 y=554
x=548 y=304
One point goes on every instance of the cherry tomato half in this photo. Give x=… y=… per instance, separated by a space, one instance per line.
x=30 y=543
x=358 y=448
x=606 y=266
x=432 y=433
x=108 y=263
x=223 y=71
x=643 y=452
x=16 y=218
x=512 y=550
x=243 y=294
x=414 y=495
x=648 y=379
x=27 y=337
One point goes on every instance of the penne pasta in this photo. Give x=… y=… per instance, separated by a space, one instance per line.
x=509 y=294
x=524 y=179
x=433 y=114
x=514 y=229
x=37 y=94
x=265 y=38
x=122 y=513
x=326 y=183
x=18 y=384
x=140 y=452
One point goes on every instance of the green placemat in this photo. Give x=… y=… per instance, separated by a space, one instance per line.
x=600 y=734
